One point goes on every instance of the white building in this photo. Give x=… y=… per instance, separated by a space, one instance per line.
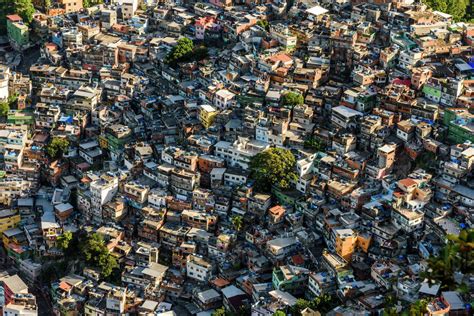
x=197 y=268
x=22 y=304
x=157 y=198
x=116 y=299
x=280 y=248
x=407 y=220
x=103 y=189
x=409 y=58
x=223 y=99
x=4 y=78
x=240 y=152
x=90 y=151
x=345 y=117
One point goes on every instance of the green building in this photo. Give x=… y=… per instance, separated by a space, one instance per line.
x=286 y=197
x=291 y=279
x=20 y=117
x=115 y=138
x=432 y=92
x=460 y=125
x=18 y=33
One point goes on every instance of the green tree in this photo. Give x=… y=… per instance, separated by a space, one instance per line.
x=95 y=252
x=389 y=306
x=90 y=3
x=65 y=240
x=463 y=245
x=237 y=222
x=314 y=144
x=4 y=108
x=323 y=303
x=223 y=312
x=200 y=53
x=441 y=268
x=181 y=52
x=438 y=5
x=279 y=313
x=57 y=147
x=292 y=99
x=418 y=308
x=300 y=305
x=274 y=166
x=25 y=9
x=426 y=160
x=457 y=8
x=456 y=256
x=219 y=312
x=264 y=24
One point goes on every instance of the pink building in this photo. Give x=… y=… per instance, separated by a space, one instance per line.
x=203 y=24
x=221 y=3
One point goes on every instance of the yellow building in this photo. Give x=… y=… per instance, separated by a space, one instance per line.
x=13 y=235
x=363 y=242
x=345 y=242
x=8 y=219
x=207 y=113
x=71 y=5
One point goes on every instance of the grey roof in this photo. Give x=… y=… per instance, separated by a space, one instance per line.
x=232 y=291
x=12 y=232
x=454 y=300
x=464 y=191
x=208 y=295
x=345 y=111
x=149 y=305
x=284 y=297
x=15 y=284
x=155 y=269
x=25 y=202
x=430 y=290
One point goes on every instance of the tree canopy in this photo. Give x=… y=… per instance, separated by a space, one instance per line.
x=292 y=99
x=95 y=252
x=264 y=24
x=456 y=256
x=25 y=9
x=323 y=303
x=219 y=312
x=90 y=3
x=427 y=160
x=185 y=51
x=314 y=144
x=181 y=52
x=57 y=147
x=64 y=240
x=7 y=104
x=457 y=8
x=237 y=221
x=4 y=108
x=274 y=166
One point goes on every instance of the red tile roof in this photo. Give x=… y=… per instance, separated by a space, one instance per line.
x=407 y=182
x=297 y=260
x=65 y=286
x=14 y=18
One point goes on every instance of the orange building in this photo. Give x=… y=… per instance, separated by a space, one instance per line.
x=346 y=241
x=71 y=5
